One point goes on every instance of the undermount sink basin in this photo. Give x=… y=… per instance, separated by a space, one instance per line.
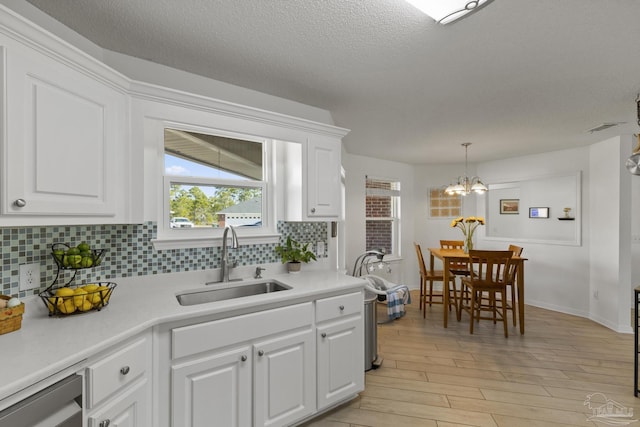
x=230 y=292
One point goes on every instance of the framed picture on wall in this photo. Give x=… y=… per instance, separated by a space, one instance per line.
x=538 y=212
x=510 y=206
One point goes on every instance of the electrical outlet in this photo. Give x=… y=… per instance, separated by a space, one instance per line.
x=29 y=276
x=320 y=248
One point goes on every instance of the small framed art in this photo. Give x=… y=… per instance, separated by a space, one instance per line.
x=510 y=206
x=538 y=212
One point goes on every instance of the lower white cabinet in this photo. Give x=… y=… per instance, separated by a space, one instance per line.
x=128 y=410
x=284 y=379
x=340 y=344
x=276 y=367
x=255 y=369
x=215 y=388
x=118 y=386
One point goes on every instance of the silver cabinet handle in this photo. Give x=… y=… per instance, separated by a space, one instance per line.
x=124 y=370
x=313 y=210
x=104 y=423
x=323 y=335
x=243 y=358
x=20 y=203
x=341 y=308
x=261 y=353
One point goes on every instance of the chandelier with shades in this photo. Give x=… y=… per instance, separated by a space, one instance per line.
x=466 y=185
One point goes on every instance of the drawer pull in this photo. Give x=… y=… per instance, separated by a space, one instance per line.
x=124 y=370
x=341 y=308
x=243 y=358
x=20 y=203
x=261 y=353
x=313 y=210
x=104 y=423
x=323 y=335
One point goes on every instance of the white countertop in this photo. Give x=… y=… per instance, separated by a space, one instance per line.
x=47 y=345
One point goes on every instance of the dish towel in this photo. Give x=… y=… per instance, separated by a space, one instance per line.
x=397 y=297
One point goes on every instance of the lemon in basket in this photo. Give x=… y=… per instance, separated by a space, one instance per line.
x=80 y=296
x=67 y=306
x=93 y=294
x=64 y=292
x=86 y=306
x=106 y=293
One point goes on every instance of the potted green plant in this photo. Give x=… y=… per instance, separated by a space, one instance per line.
x=294 y=253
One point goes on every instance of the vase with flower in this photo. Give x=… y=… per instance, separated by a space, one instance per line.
x=468 y=226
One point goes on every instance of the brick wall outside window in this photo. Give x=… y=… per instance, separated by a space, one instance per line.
x=381 y=213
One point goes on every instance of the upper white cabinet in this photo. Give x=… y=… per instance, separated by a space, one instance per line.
x=310 y=177
x=323 y=178
x=63 y=129
x=63 y=149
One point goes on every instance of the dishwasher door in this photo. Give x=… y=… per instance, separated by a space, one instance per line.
x=59 y=405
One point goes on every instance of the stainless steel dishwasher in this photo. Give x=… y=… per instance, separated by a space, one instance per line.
x=59 y=405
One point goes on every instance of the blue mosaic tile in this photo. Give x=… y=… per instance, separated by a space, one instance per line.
x=135 y=253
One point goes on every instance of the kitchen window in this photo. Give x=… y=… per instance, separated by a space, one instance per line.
x=214 y=180
x=383 y=215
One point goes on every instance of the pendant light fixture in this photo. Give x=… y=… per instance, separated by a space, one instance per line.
x=447 y=11
x=466 y=185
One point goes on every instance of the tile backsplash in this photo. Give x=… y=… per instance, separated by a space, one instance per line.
x=129 y=251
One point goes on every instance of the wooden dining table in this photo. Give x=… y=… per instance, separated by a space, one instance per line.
x=447 y=256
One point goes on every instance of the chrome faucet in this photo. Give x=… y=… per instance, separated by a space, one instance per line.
x=226 y=266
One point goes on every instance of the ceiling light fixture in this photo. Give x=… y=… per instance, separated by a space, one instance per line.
x=633 y=162
x=466 y=185
x=447 y=11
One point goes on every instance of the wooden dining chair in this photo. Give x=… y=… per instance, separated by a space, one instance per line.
x=427 y=277
x=511 y=288
x=459 y=268
x=491 y=272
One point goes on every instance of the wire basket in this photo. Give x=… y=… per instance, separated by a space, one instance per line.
x=70 y=258
x=69 y=300
x=10 y=318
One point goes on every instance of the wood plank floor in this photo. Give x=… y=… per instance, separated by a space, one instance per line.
x=433 y=376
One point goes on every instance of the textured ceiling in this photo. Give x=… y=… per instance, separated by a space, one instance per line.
x=517 y=77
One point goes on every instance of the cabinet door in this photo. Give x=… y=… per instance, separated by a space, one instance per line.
x=131 y=409
x=284 y=379
x=64 y=130
x=340 y=360
x=323 y=178
x=214 y=388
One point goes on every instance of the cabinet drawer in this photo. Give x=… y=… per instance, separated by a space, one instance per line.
x=339 y=306
x=206 y=336
x=108 y=375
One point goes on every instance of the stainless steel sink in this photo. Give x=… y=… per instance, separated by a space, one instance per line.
x=230 y=292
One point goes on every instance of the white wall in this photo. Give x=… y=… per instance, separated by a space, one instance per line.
x=610 y=248
x=557 y=276
x=356 y=170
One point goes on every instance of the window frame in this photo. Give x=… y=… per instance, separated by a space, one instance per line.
x=168 y=238
x=395 y=252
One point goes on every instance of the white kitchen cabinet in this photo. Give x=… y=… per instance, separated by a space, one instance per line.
x=255 y=369
x=323 y=178
x=284 y=379
x=217 y=387
x=127 y=410
x=118 y=386
x=309 y=174
x=66 y=130
x=340 y=348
